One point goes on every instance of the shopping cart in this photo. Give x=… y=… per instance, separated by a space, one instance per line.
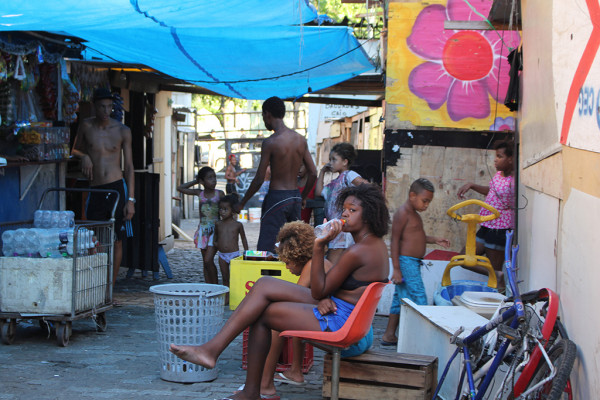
x=57 y=291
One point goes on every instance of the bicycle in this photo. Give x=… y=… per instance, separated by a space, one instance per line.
x=522 y=338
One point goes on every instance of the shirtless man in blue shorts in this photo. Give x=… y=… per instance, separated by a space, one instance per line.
x=285 y=151
x=98 y=144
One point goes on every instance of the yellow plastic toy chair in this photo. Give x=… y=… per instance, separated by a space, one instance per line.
x=470 y=259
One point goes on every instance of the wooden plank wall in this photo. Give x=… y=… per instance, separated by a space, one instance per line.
x=446 y=166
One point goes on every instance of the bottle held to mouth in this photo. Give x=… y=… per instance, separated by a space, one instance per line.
x=323 y=230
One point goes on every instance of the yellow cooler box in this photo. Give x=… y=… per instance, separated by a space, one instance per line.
x=244 y=273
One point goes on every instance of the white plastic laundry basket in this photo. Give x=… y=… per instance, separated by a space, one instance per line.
x=187 y=314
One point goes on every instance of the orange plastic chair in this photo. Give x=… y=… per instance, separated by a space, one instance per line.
x=356 y=327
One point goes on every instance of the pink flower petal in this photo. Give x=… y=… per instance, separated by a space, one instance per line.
x=430 y=82
x=459 y=10
x=498 y=79
x=468 y=99
x=503 y=41
x=428 y=36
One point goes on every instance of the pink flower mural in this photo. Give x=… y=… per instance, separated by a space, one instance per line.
x=462 y=68
x=503 y=124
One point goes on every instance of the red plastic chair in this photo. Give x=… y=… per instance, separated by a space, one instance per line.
x=356 y=327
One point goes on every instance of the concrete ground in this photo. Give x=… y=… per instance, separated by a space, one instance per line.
x=123 y=362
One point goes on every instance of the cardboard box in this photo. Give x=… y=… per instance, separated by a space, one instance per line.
x=383 y=375
x=244 y=273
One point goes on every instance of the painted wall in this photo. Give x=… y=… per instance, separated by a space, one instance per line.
x=559 y=170
x=161 y=164
x=446 y=78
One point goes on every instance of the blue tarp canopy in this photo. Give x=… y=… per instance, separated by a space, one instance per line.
x=250 y=49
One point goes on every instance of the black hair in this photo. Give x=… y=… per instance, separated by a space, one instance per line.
x=507 y=146
x=231 y=199
x=346 y=151
x=421 y=184
x=374 y=209
x=275 y=106
x=203 y=172
x=102 y=94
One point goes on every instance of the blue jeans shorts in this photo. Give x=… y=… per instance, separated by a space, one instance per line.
x=412 y=287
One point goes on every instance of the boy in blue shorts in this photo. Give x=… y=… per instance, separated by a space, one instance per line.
x=408 y=245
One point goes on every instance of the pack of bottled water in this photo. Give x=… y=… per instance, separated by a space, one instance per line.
x=53 y=219
x=53 y=236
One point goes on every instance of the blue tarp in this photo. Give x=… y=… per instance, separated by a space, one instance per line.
x=249 y=49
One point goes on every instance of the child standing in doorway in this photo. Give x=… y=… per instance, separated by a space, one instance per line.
x=408 y=245
x=341 y=157
x=231 y=174
x=500 y=194
x=227 y=234
x=209 y=215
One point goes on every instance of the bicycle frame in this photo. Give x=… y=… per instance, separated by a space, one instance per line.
x=516 y=312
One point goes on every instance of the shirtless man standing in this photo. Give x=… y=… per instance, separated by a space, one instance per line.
x=98 y=144
x=285 y=151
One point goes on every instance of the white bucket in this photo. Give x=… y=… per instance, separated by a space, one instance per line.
x=483 y=303
x=243 y=216
x=254 y=214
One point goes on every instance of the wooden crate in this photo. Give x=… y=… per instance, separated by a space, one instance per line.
x=383 y=375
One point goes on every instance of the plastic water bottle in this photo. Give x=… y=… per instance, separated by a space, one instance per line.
x=50 y=243
x=32 y=241
x=65 y=237
x=84 y=239
x=55 y=217
x=46 y=219
x=19 y=241
x=66 y=219
x=90 y=240
x=7 y=243
x=37 y=218
x=70 y=219
x=323 y=230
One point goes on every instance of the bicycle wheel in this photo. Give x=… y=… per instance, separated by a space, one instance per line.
x=562 y=355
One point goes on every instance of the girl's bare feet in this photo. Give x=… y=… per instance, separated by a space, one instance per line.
x=194 y=354
x=239 y=396
x=289 y=377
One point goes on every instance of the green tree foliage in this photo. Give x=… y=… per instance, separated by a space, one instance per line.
x=216 y=105
x=338 y=11
x=352 y=14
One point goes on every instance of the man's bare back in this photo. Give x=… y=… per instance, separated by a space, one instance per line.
x=284 y=151
x=286 y=154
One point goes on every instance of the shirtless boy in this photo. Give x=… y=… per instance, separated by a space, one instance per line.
x=231 y=174
x=408 y=244
x=228 y=231
x=98 y=144
x=285 y=150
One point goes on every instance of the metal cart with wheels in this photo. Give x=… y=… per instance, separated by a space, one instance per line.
x=58 y=291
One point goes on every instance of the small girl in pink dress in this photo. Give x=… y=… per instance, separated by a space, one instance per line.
x=500 y=194
x=209 y=215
